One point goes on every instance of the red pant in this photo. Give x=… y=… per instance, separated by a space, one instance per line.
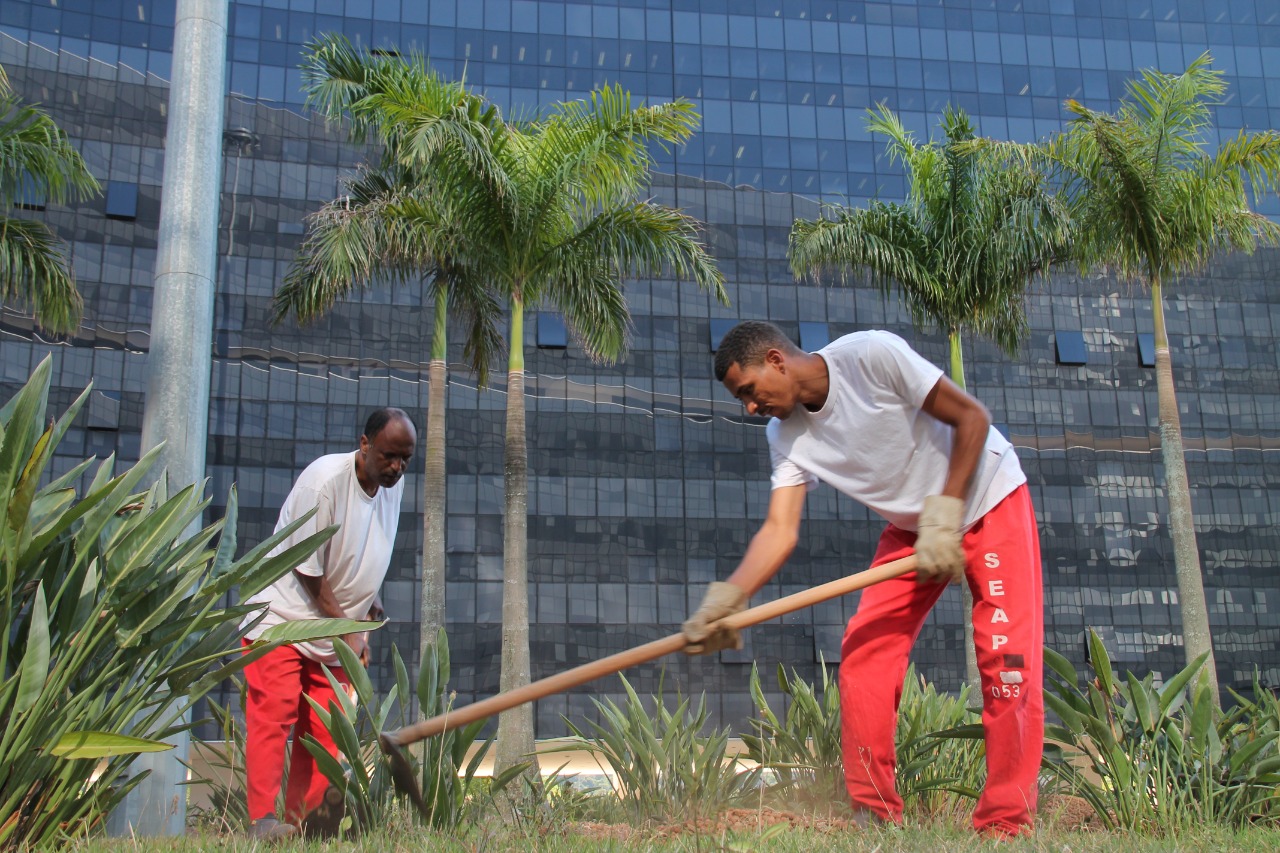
x=277 y=685
x=1003 y=572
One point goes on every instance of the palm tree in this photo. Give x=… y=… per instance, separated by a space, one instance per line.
x=37 y=161
x=1151 y=201
x=975 y=230
x=358 y=239
x=563 y=228
x=542 y=212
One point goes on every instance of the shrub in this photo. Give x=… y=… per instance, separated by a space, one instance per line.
x=933 y=759
x=1160 y=759
x=803 y=747
x=114 y=621
x=664 y=770
x=451 y=790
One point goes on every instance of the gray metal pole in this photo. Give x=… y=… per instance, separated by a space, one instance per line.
x=179 y=364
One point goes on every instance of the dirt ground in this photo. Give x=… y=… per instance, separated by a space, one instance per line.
x=1060 y=812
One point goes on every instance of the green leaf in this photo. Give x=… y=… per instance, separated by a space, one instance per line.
x=355 y=671
x=306 y=630
x=1172 y=689
x=35 y=660
x=75 y=745
x=1141 y=702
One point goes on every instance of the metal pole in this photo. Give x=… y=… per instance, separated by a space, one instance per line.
x=179 y=364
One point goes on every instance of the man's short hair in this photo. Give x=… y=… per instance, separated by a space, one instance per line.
x=379 y=419
x=747 y=343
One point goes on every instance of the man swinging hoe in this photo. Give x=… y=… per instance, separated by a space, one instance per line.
x=872 y=418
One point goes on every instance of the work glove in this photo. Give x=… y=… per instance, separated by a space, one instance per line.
x=701 y=633
x=939 y=554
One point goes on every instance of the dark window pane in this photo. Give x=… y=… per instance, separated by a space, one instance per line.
x=1071 y=348
x=814 y=336
x=551 y=332
x=122 y=200
x=30 y=195
x=1147 y=350
x=720 y=328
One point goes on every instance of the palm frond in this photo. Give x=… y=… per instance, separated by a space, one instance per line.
x=35 y=153
x=474 y=300
x=33 y=272
x=350 y=245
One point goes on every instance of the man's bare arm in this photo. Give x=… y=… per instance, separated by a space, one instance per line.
x=322 y=594
x=773 y=542
x=971 y=422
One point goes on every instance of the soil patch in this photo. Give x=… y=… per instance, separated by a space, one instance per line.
x=729 y=821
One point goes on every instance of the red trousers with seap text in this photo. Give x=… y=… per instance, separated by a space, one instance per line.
x=277 y=686
x=1002 y=552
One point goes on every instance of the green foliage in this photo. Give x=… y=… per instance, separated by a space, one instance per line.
x=114 y=621
x=1160 y=759
x=934 y=761
x=503 y=211
x=450 y=787
x=1152 y=191
x=36 y=157
x=449 y=782
x=803 y=748
x=664 y=770
x=228 y=808
x=976 y=227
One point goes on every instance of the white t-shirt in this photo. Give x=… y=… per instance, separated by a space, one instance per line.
x=354 y=561
x=872 y=440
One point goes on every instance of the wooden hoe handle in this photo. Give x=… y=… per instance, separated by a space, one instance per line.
x=641 y=654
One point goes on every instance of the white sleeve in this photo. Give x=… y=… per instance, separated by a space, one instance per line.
x=300 y=500
x=787 y=473
x=895 y=365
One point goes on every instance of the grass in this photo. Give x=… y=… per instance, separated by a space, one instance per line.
x=939 y=837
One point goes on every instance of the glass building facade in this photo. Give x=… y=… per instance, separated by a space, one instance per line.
x=647 y=480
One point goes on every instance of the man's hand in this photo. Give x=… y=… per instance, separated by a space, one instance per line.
x=700 y=631
x=939 y=552
x=359 y=643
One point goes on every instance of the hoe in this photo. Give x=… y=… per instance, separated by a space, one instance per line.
x=393 y=742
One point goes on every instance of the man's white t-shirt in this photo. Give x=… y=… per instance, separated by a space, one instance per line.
x=354 y=561
x=872 y=440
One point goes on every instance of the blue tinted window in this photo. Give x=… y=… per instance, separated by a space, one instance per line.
x=30 y=196
x=814 y=336
x=551 y=332
x=1147 y=350
x=720 y=328
x=1071 y=348
x=122 y=200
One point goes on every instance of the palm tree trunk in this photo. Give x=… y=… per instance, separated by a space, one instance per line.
x=515 y=727
x=972 y=676
x=434 y=485
x=1197 y=639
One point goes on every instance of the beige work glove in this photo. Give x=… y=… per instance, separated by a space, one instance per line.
x=701 y=634
x=939 y=554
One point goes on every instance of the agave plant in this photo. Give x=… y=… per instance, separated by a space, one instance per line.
x=802 y=748
x=450 y=787
x=1160 y=758
x=222 y=773
x=663 y=769
x=114 y=620
x=932 y=763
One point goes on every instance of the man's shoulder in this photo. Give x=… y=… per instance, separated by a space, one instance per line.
x=325 y=470
x=864 y=338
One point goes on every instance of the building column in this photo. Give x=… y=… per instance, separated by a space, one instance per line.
x=176 y=411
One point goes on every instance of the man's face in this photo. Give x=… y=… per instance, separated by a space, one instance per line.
x=388 y=453
x=765 y=389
